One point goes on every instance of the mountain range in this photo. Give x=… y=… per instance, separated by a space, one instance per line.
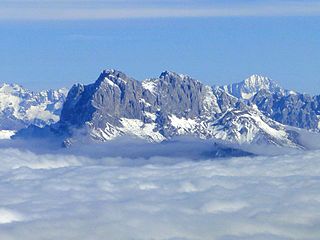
x=256 y=110
x=20 y=108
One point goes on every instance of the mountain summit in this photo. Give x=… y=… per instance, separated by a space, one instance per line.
x=251 y=86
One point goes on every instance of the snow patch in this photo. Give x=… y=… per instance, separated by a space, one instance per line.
x=146 y=104
x=152 y=116
x=247 y=96
x=109 y=82
x=182 y=125
x=150 y=85
x=135 y=127
x=210 y=103
x=6 y=134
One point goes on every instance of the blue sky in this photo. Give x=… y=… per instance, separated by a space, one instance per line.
x=49 y=44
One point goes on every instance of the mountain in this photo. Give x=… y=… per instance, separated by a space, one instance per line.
x=160 y=109
x=298 y=110
x=20 y=107
x=250 y=86
x=284 y=106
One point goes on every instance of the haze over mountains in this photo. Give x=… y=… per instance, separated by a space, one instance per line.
x=256 y=110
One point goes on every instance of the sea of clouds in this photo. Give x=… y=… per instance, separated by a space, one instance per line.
x=127 y=190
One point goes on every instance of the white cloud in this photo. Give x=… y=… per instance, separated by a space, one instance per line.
x=64 y=196
x=223 y=206
x=65 y=10
x=8 y=216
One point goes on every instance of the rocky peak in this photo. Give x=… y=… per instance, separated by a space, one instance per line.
x=259 y=82
x=161 y=108
x=174 y=77
x=168 y=74
x=13 y=89
x=112 y=77
x=252 y=85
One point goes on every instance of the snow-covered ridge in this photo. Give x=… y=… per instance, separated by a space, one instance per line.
x=162 y=108
x=20 y=107
x=257 y=81
x=255 y=110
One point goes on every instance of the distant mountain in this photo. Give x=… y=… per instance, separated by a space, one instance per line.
x=284 y=106
x=20 y=107
x=252 y=85
x=295 y=109
x=159 y=109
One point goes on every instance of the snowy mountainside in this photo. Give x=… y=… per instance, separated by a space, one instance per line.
x=250 y=86
x=284 y=106
x=298 y=109
x=159 y=109
x=20 y=107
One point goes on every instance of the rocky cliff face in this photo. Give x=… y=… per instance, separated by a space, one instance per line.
x=298 y=110
x=161 y=108
x=173 y=105
x=284 y=106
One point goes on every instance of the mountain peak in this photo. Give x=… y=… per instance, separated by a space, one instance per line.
x=5 y=87
x=118 y=105
x=259 y=81
x=170 y=74
x=112 y=76
x=252 y=85
x=112 y=73
x=167 y=73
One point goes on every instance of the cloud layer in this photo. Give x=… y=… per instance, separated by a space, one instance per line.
x=66 y=196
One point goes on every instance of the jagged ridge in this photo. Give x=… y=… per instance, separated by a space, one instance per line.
x=161 y=108
x=20 y=107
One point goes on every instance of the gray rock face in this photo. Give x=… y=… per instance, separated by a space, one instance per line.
x=298 y=110
x=159 y=109
x=114 y=95
x=172 y=105
x=179 y=95
x=284 y=106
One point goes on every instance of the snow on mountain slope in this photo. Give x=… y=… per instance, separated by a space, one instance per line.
x=250 y=126
x=298 y=110
x=250 y=86
x=162 y=108
x=6 y=134
x=284 y=106
x=150 y=85
x=20 y=107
